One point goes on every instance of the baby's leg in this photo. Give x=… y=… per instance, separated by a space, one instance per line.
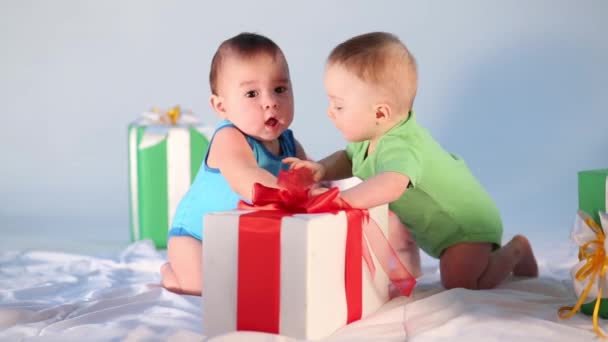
x=463 y=264
x=516 y=256
x=475 y=266
x=167 y=278
x=527 y=265
x=183 y=273
x=401 y=240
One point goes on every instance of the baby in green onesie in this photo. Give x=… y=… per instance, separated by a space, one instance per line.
x=371 y=81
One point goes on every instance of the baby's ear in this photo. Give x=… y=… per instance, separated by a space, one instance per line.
x=217 y=103
x=383 y=113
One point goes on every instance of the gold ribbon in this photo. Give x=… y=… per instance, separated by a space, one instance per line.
x=172 y=114
x=596 y=264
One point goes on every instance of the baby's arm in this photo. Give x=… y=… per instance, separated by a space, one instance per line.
x=232 y=155
x=333 y=167
x=336 y=166
x=382 y=188
x=300 y=153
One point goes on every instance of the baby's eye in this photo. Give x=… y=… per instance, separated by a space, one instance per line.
x=251 y=93
x=337 y=108
x=280 y=90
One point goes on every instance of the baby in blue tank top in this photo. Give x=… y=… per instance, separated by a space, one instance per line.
x=211 y=192
x=251 y=92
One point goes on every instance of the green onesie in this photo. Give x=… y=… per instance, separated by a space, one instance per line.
x=444 y=203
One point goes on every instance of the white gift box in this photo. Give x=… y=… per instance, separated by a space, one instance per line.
x=312 y=278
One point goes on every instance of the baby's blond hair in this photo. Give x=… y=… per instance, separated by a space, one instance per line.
x=382 y=59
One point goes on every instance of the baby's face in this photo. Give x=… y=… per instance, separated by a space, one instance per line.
x=351 y=104
x=256 y=95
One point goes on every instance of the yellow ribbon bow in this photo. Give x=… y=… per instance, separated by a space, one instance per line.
x=159 y=122
x=172 y=114
x=596 y=264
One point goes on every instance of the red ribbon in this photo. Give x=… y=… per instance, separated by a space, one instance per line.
x=258 y=284
x=259 y=276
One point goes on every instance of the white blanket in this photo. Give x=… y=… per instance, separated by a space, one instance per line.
x=58 y=297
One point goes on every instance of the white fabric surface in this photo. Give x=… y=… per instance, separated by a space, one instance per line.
x=51 y=296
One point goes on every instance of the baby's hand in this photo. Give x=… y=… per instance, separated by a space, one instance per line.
x=318 y=170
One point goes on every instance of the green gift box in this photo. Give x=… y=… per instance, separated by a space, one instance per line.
x=593 y=192
x=593 y=198
x=164 y=156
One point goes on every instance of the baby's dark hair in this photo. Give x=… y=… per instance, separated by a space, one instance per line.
x=243 y=45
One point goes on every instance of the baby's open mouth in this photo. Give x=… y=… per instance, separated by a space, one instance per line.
x=272 y=122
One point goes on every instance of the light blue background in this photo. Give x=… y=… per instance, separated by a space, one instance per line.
x=518 y=88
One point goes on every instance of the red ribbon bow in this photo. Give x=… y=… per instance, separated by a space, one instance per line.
x=258 y=288
x=294 y=195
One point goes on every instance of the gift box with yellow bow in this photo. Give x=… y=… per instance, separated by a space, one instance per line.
x=589 y=233
x=166 y=149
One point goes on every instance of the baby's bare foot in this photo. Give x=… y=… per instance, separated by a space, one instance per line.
x=526 y=266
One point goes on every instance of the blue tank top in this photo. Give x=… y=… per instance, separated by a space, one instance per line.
x=210 y=191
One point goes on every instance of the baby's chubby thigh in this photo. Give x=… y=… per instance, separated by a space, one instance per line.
x=404 y=245
x=474 y=227
x=184 y=254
